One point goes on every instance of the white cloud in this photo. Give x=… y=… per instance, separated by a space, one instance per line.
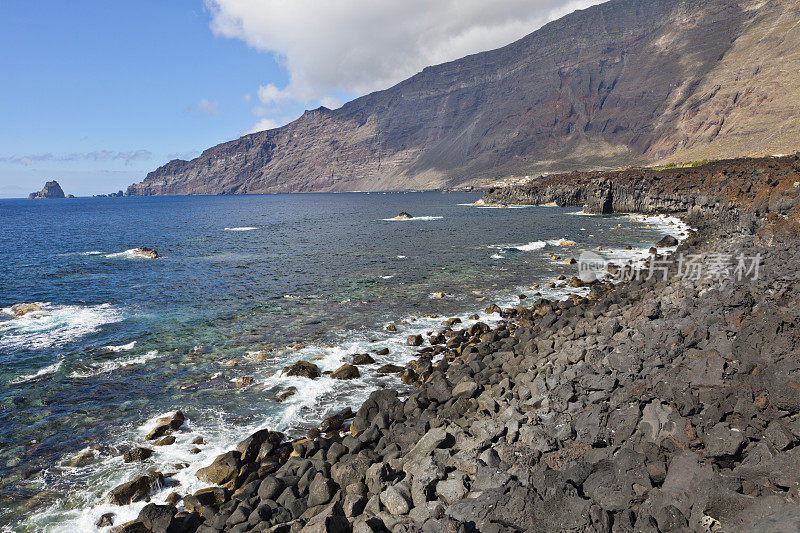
x=207 y=107
x=263 y=124
x=357 y=46
x=270 y=94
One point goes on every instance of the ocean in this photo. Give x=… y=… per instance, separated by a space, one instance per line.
x=244 y=286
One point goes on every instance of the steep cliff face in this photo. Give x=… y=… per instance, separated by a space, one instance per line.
x=767 y=185
x=621 y=83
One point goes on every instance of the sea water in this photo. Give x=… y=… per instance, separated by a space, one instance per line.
x=243 y=286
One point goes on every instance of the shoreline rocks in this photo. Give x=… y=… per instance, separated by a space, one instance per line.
x=648 y=405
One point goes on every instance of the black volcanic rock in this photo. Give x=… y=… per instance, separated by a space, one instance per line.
x=51 y=190
x=625 y=82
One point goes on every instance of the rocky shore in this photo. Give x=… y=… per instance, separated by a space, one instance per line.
x=668 y=402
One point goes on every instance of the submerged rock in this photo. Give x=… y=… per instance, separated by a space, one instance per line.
x=286 y=394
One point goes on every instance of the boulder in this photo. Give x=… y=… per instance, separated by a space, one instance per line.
x=158 y=518
x=335 y=422
x=414 y=340
x=24 y=309
x=302 y=369
x=285 y=394
x=82 y=459
x=166 y=424
x=362 y=359
x=137 y=454
x=390 y=369
x=346 y=371
x=145 y=252
x=222 y=470
x=136 y=490
x=667 y=241
x=403 y=216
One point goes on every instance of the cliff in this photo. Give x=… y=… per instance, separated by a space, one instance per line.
x=51 y=190
x=625 y=82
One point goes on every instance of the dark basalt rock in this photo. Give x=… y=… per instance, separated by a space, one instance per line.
x=302 y=369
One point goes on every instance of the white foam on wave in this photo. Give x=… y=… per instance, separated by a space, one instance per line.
x=242 y=228
x=313 y=400
x=93 y=252
x=49 y=369
x=93 y=369
x=121 y=347
x=56 y=325
x=132 y=253
x=387 y=277
x=497 y=256
x=410 y=219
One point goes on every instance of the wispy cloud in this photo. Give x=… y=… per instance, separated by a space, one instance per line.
x=100 y=155
x=208 y=107
x=129 y=157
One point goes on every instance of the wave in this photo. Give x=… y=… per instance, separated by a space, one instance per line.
x=56 y=325
x=410 y=219
x=92 y=252
x=132 y=253
x=243 y=228
x=530 y=247
x=50 y=369
x=94 y=369
x=121 y=347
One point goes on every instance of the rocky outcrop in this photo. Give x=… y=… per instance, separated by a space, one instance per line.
x=51 y=190
x=761 y=185
x=621 y=83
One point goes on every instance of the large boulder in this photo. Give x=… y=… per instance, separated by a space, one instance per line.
x=667 y=241
x=24 y=309
x=136 y=490
x=302 y=369
x=346 y=371
x=166 y=424
x=222 y=470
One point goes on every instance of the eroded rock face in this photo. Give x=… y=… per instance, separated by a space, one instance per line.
x=558 y=99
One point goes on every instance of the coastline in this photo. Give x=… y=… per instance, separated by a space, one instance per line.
x=546 y=420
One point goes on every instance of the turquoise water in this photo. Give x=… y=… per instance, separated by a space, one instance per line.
x=243 y=286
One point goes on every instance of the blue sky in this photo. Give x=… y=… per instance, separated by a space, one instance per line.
x=96 y=93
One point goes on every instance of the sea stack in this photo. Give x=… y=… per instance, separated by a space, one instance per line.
x=51 y=190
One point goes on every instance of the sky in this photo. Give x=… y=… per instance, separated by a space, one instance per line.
x=95 y=94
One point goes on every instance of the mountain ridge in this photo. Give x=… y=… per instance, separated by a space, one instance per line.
x=628 y=82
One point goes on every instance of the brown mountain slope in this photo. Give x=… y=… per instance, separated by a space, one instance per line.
x=626 y=82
